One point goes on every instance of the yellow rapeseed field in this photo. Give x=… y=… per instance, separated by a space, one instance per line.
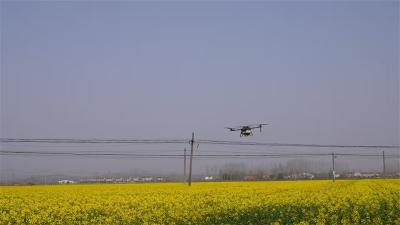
x=286 y=202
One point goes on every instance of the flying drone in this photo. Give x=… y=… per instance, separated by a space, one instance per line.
x=246 y=130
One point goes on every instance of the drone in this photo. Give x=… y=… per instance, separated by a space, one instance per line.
x=246 y=130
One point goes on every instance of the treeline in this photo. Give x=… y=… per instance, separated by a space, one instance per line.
x=294 y=169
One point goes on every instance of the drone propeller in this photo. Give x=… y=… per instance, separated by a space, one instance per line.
x=230 y=128
x=253 y=126
x=262 y=124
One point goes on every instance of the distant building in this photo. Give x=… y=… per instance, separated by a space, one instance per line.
x=301 y=176
x=250 y=177
x=366 y=175
x=347 y=175
x=147 y=179
x=309 y=176
x=160 y=179
x=132 y=179
x=208 y=178
x=66 y=182
x=357 y=174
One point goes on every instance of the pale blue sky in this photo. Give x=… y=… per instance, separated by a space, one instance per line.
x=319 y=72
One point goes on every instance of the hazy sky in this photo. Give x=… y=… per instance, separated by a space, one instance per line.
x=319 y=72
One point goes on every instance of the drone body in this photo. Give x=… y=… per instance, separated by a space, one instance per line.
x=247 y=130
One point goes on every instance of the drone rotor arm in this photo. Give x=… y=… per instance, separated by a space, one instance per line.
x=231 y=129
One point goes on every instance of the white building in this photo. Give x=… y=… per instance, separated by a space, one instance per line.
x=66 y=182
x=208 y=178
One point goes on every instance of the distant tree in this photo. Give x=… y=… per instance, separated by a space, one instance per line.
x=232 y=171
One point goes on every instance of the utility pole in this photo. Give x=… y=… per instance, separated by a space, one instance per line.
x=191 y=159
x=184 y=166
x=384 y=164
x=333 y=166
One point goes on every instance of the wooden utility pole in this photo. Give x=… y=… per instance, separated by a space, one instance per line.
x=184 y=166
x=333 y=166
x=191 y=159
x=384 y=164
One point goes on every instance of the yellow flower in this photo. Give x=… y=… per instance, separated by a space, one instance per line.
x=287 y=202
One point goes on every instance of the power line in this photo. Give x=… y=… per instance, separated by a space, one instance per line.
x=95 y=141
x=185 y=141
x=217 y=142
x=49 y=153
